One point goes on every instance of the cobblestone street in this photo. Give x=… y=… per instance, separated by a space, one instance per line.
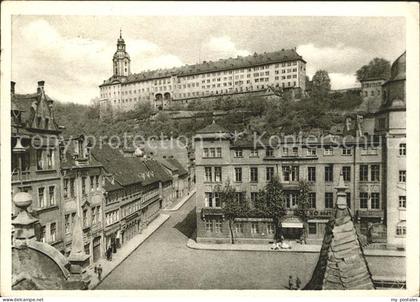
x=165 y=262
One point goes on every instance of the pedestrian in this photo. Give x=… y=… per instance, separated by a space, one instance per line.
x=298 y=283
x=290 y=282
x=99 y=270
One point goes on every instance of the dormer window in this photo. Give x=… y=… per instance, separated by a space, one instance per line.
x=38 y=122
x=47 y=123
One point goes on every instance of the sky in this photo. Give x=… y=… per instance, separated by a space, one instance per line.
x=73 y=54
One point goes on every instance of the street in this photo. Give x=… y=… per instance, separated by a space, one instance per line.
x=164 y=261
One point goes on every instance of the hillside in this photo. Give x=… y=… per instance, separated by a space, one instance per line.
x=273 y=115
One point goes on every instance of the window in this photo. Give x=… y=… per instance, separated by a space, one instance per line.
x=364 y=173
x=254 y=228
x=67 y=223
x=312 y=200
x=402 y=202
x=312 y=174
x=51 y=193
x=254 y=197
x=401 y=230
x=270 y=229
x=295 y=151
x=209 y=199
x=97 y=181
x=66 y=188
x=311 y=151
x=217 y=226
x=346 y=173
x=41 y=197
x=212 y=152
x=346 y=151
x=269 y=173
x=92 y=182
x=209 y=226
x=217 y=174
x=375 y=202
x=53 y=232
x=254 y=153
x=403 y=149
x=238 y=153
x=93 y=215
x=328 y=151
x=329 y=203
x=329 y=173
x=269 y=152
x=295 y=173
x=240 y=197
x=40 y=159
x=218 y=152
x=374 y=173
x=208 y=174
x=402 y=175
x=348 y=199
x=285 y=151
x=286 y=173
x=291 y=201
x=239 y=227
x=50 y=159
x=364 y=200
x=312 y=228
x=238 y=174
x=254 y=174
x=217 y=203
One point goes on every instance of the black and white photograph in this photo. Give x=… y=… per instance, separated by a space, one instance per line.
x=209 y=147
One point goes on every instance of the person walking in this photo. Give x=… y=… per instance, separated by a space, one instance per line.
x=298 y=283
x=290 y=282
x=99 y=271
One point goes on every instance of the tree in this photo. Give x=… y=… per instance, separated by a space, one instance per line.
x=270 y=203
x=232 y=206
x=378 y=67
x=303 y=204
x=143 y=110
x=321 y=84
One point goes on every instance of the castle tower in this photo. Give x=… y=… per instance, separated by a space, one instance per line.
x=121 y=59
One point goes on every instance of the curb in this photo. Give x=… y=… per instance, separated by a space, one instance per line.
x=198 y=246
x=213 y=247
x=104 y=277
x=181 y=203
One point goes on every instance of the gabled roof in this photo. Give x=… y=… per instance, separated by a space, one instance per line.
x=174 y=162
x=159 y=171
x=212 y=128
x=126 y=170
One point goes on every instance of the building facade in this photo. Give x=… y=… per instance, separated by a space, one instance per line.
x=36 y=162
x=82 y=196
x=257 y=72
x=391 y=125
x=249 y=168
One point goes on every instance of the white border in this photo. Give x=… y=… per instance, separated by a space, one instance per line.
x=407 y=10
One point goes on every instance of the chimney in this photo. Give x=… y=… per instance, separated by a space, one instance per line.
x=40 y=86
x=12 y=87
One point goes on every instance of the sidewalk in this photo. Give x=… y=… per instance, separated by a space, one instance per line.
x=125 y=250
x=181 y=202
x=295 y=248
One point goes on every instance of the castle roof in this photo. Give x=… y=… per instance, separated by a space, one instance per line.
x=284 y=55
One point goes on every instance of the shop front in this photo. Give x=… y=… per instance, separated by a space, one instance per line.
x=292 y=227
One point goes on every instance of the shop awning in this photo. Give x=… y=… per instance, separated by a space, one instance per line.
x=292 y=225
